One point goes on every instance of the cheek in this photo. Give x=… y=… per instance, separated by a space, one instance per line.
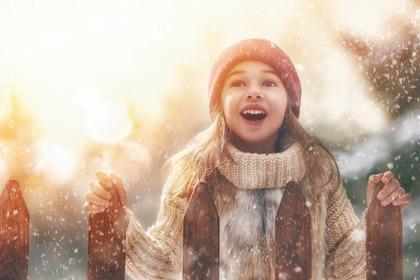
x=283 y=102
x=227 y=106
x=281 y=107
x=283 y=110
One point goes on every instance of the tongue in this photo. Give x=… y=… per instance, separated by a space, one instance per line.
x=254 y=117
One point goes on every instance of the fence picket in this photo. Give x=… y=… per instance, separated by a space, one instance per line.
x=201 y=236
x=106 y=253
x=384 y=256
x=14 y=233
x=293 y=236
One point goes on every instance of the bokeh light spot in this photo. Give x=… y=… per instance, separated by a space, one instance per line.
x=54 y=159
x=107 y=121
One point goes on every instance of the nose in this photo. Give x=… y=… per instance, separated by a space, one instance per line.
x=254 y=93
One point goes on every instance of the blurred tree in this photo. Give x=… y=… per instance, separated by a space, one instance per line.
x=392 y=67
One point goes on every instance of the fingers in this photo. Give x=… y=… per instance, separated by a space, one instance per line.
x=387 y=177
x=103 y=179
x=400 y=198
x=389 y=192
x=392 y=192
x=374 y=180
x=99 y=190
x=93 y=198
x=402 y=201
x=119 y=186
x=95 y=203
x=93 y=209
x=372 y=183
x=390 y=184
x=100 y=194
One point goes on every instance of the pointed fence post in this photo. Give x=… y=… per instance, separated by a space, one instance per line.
x=384 y=256
x=106 y=252
x=201 y=236
x=14 y=233
x=293 y=236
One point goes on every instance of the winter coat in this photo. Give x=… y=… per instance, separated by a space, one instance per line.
x=248 y=189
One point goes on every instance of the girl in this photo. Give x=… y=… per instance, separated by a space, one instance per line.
x=253 y=148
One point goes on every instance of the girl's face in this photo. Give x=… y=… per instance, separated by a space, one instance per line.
x=254 y=102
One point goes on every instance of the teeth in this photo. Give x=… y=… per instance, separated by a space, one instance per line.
x=253 y=112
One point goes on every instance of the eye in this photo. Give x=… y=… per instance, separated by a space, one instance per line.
x=238 y=83
x=269 y=83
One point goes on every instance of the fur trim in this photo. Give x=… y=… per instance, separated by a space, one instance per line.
x=247 y=222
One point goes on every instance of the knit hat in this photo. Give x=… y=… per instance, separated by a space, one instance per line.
x=260 y=50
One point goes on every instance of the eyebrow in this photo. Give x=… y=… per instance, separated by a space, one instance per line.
x=270 y=72
x=241 y=72
x=234 y=73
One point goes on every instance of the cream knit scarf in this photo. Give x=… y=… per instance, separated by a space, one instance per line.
x=247 y=205
x=256 y=171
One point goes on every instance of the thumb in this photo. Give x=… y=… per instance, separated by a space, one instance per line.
x=119 y=186
x=103 y=179
x=372 y=183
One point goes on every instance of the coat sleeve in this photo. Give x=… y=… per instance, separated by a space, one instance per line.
x=346 y=238
x=157 y=252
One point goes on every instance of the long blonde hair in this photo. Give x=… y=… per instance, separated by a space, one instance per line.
x=204 y=153
x=200 y=157
x=320 y=163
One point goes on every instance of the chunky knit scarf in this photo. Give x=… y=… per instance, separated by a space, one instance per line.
x=256 y=171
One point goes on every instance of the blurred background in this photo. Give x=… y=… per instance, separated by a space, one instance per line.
x=121 y=86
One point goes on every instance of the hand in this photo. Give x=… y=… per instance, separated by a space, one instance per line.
x=99 y=197
x=392 y=192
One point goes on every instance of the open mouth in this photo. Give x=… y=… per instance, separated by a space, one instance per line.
x=254 y=115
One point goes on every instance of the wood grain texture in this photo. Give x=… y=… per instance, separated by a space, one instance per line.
x=384 y=256
x=106 y=252
x=201 y=236
x=14 y=233
x=293 y=236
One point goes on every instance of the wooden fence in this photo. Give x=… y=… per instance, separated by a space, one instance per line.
x=14 y=233
x=384 y=255
x=106 y=253
x=293 y=238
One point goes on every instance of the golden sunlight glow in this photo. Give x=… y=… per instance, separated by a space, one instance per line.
x=107 y=121
x=3 y=175
x=372 y=19
x=5 y=104
x=94 y=73
x=53 y=159
x=111 y=47
x=132 y=162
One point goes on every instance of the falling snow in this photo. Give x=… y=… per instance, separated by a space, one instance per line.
x=117 y=102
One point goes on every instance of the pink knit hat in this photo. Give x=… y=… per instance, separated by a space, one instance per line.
x=260 y=50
